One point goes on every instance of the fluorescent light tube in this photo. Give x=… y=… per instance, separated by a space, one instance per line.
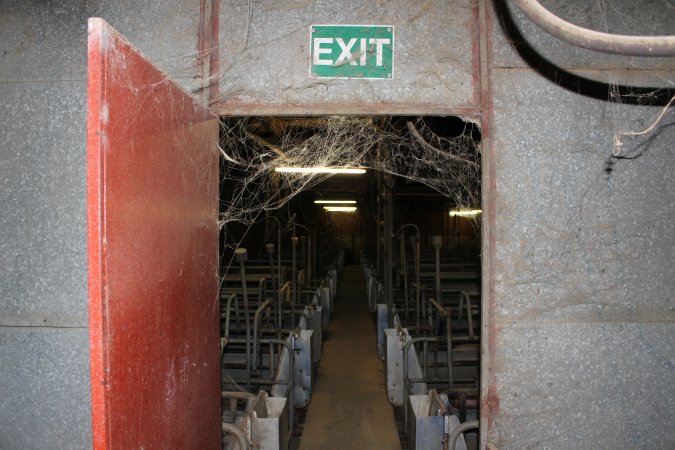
x=340 y=208
x=311 y=170
x=465 y=213
x=335 y=202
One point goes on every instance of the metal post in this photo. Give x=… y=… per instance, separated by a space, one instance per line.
x=237 y=433
x=303 y=253
x=417 y=273
x=240 y=255
x=404 y=269
x=414 y=242
x=448 y=332
x=457 y=432
x=256 y=320
x=295 y=291
x=269 y=248
x=278 y=285
x=378 y=228
x=388 y=251
x=437 y=242
x=313 y=256
x=280 y=319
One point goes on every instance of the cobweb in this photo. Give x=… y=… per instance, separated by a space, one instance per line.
x=408 y=148
x=627 y=141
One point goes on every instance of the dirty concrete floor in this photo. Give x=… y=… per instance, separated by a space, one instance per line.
x=349 y=407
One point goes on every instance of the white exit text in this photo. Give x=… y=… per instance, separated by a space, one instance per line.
x=323 y=54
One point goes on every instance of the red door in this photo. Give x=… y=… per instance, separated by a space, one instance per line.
x=152 y=197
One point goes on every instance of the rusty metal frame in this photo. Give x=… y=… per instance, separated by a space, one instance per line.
x=208 y=61
x=232 y=109
x=489 y=402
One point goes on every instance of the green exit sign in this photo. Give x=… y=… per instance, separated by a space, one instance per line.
x=351 y=51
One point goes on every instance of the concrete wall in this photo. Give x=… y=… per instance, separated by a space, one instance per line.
x=44 y=337
x=580 y=352
x=582 y=319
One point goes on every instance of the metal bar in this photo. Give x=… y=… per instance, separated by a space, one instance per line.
x=439 y=308
x=404 y=269
x=469 y=314
x=291 y=357
x=237 y=108
x=254 y=362
x=424 y=359
x=406 y=347
x=448 y=336
x=279 y=272
x=261 y=290
x=417 y=274
x=239 y=395
x=269 y=248
x=237 y=433
x=294 y=292
x=388 y=249
x=435 y=399
x=378 y=222
x=286 y=292
x=227 y=314
x=303 y=251
x=306 y=242
x=457 y=432
x=313 y=242
x=437 y=242
x=240 y=255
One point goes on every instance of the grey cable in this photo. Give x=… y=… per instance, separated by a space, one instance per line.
x=596 y=40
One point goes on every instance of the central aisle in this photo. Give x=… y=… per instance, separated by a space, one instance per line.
x=349 y=407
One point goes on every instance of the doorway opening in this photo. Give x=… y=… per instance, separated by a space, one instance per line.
x=291 y=219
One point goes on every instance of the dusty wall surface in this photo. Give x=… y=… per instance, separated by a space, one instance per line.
x=580 y=343
x=264 y=57
x=44 y=336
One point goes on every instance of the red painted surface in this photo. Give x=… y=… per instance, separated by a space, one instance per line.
x=153 y=249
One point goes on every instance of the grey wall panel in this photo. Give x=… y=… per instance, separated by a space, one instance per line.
x=589 y=236
x=586 y=386
x=43 y=222
x=581 y=332
x=650 y=17
x=45 y=41
x=42 y=41
x=44 y=388
x=265 y=56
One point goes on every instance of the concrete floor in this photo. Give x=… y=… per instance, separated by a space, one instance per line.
x=349 y=407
